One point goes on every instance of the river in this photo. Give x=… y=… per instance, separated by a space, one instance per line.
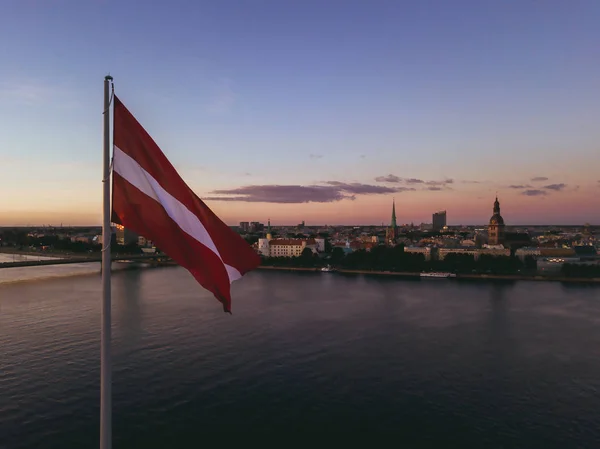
x=437 y=363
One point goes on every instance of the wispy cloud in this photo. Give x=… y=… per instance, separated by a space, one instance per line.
x=519 y=186
x=315 y=156
x=365 y=189
x=362 y=156
x=33 y=92
x=534 y=192
x=555 y=187
x=388 y=178
x=469 y=181
x=223 y=99
x=434 y=188
x=330 y=192
x=440 y=183
x=413 y=181
x=539 y=179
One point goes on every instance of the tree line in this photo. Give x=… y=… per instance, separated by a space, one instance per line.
x=53 y=243
x=394 y=259
x=580 y=270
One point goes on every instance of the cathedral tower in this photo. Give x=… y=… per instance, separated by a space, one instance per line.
x=269 y=235
x=496 y=226
x=391 y=233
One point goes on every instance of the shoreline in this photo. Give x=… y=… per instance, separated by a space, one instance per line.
x=416 y=275
x=55 y=255
x=69 y=258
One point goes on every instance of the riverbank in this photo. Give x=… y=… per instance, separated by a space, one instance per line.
x=51 y=259
x=414 y=275
x=24 y=252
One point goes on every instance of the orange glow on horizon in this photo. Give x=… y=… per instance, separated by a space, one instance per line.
x=465 y=207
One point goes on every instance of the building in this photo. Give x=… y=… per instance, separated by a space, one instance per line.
x=443 y=252
x=425 y=250
x=143 y=242
x=516 y=240
x=439 y=220
x=391 y=233
x=269 y=235
x=125 y=236
x=244 y=226
x=528 y=251
x=355 y=245
x=586 y=252
x=287 y=247
x=496 y=226
x=255 y=226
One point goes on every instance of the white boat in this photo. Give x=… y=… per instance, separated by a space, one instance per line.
x=327 y=268
x=438 y=275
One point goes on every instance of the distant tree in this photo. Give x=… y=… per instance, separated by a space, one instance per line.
x=306 y=258
x=337 y=254
x=530 y=263
x=251 y=239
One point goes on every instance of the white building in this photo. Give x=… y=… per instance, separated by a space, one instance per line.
x=288 y=247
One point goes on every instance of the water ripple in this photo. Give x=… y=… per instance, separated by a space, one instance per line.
x=438 y=364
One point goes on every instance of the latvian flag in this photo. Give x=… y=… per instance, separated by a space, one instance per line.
x=151 y=199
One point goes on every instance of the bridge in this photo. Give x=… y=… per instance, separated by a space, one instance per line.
x=151 y=258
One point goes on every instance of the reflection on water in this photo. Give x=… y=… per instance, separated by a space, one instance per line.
x=4 y=257
x=439 y=363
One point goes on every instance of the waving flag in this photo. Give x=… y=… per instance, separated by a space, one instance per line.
x=151 y=199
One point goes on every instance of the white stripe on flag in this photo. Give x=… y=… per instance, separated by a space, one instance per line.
x=135 y=174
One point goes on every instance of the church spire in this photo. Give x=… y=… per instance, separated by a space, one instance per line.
x=497 y=205
x=269 y=236
x=394 y=213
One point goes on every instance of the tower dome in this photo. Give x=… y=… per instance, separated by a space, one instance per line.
x=496 y=226
x=269 y=236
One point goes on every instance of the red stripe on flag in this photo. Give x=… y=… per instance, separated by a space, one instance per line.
x=145 y=216
x=151 y=199
x=132 y=139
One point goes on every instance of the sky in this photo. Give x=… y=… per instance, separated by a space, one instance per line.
x=316 y=110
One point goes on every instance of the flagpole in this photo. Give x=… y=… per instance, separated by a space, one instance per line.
x=105 y=358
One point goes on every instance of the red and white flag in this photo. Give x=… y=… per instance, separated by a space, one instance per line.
x=151 y=199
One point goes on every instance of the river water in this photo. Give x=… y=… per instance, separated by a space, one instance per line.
x=437 y=363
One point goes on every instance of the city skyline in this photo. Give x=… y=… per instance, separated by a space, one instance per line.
x=306 y=111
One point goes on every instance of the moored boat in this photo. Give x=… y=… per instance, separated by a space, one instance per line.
x=438 y=275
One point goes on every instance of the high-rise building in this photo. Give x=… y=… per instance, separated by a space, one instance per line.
x=439 y=220
x=255 y=226
x=244 y=226
x=125 y=236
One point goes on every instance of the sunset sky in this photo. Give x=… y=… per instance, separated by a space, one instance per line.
x=315 y=110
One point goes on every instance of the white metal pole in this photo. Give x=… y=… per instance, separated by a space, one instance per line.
x=105 y=359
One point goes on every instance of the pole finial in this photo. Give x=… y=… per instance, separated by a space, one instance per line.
x=108 y=77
